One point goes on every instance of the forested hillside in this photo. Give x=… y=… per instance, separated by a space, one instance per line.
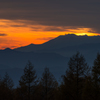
x=79 y=82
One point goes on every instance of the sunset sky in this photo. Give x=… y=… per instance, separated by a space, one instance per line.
x=23 y=22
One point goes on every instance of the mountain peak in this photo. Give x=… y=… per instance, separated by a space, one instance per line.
x=72 y=35
x=7 y=49
x=67 y=36
x=31 y=44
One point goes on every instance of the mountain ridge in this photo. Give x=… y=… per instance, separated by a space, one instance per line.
x=53 y=54
x=11 y=59
x=61 y=42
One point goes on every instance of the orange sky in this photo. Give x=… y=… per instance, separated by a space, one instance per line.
x=19 y=33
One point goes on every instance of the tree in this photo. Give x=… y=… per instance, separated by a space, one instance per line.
x=73 y=81
x=7 y=81
x=6 y=88
x=28 y=81
x=48 y=84
x=87 y=93
x=96 y=77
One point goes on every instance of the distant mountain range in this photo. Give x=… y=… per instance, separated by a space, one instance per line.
x=67 y=45
x=54 y=54
x=10 y=60
x=61 y=42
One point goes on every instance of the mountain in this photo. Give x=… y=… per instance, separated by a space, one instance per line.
x=60 y=42
x=13 y=62
x=53 y=54
x=67 y=45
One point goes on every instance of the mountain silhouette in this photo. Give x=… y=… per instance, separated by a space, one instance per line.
x=53 y=54
x=10 y=60
x=60 y=42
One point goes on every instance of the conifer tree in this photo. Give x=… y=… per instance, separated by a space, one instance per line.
x=6 y=88
x=49 y=85
x=96 y=78
x=73 y=81
x=7 y=81
x=28 y=81
x=87 y=92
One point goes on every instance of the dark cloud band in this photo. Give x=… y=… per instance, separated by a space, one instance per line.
x=3 y=34
x=54 y=12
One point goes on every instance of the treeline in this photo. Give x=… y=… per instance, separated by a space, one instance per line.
x=79 y=82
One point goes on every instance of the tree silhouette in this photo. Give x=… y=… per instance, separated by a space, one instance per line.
x=73 y=81
x=6 y=88
x=7 y=81
x=49 y=84
x=96 y=77
x=87 y=92
x=28 y=80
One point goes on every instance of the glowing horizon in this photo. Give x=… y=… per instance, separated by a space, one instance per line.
x=17 y=33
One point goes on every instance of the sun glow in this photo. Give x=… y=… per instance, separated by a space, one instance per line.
x=88 y=34
x=16 y=33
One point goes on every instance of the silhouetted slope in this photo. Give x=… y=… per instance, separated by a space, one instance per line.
x=15 y=59
x=61 y=42
x=53 y=54
x=29 y=48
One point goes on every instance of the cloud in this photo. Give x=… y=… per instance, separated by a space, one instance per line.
x=3 y=34
x=45 y=38
x=76 y=13
x=55 y=28
x=18 y=25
